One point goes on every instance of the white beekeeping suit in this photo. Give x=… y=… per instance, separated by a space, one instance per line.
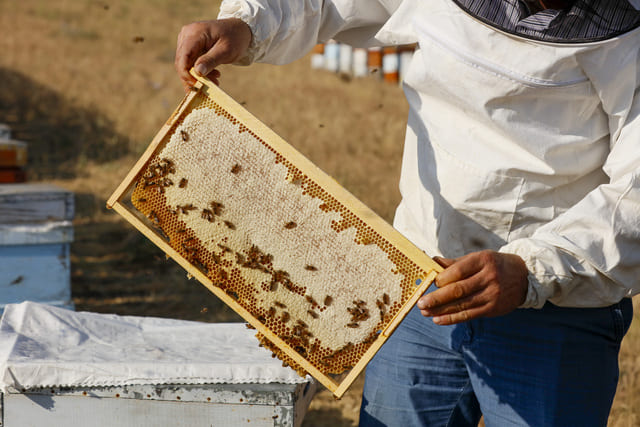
x=512 y=144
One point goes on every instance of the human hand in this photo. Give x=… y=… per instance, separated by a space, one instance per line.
x=479 y=284
x=207 y=44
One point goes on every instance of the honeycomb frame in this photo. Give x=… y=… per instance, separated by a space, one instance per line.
x=289 y=339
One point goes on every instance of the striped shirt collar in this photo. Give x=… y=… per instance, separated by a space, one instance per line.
x=583 y=21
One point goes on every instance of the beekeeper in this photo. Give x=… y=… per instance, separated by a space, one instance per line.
x=520 y=170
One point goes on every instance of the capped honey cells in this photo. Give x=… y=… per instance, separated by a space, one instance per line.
x=272 y=239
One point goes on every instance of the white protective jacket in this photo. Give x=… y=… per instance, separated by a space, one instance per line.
x=514 y=145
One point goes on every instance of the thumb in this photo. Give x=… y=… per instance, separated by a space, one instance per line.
x=207 y=62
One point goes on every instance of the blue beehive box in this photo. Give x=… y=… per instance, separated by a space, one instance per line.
x=35 y=237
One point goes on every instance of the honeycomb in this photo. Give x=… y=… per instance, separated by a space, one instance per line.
x=300 y=261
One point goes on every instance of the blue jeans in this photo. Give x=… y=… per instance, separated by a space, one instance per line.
x=549 y=367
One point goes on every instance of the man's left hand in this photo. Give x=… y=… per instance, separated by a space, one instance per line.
x=479 y=284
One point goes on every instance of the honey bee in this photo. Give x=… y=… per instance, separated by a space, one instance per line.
x=279 y=304
x=208 y=215
x=185 y=208
x=182 y=230
x=166 y=167
x=347 y=347
x=272 y=312
x=184 y=135
x=386 y=299
x=312 y=314
x=249 y=326
x=201 y=266
x=142 y=200
x=183 y=183
x=273 y=286
x=151 y=184
x=309 y=299
x=290 y=225
x=153 y=217
x=230 y=225
x=301 y=350
x=328 y=300
x=285 y=317
x=236 y=168
x=353 y=325
x=310 y=268
x=217 y=208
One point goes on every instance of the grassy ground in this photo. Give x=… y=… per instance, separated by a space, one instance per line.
x=88 y=83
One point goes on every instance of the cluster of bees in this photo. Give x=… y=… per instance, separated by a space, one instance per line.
x=157 y=176
x=360 y=313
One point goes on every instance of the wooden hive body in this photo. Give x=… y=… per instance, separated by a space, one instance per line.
x=323 y=278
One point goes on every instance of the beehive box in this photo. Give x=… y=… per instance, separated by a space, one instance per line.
x=323 y=278
x=104 y=370
x=35 y=237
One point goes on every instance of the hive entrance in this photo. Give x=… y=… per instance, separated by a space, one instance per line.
x=322 y=278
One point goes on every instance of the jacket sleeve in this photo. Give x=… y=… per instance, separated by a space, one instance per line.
x=285 y=30
x=589 y=256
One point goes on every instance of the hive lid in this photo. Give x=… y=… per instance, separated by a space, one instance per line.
x=321 y=276
x=44 y=346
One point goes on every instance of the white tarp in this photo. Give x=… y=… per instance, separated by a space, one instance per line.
x=44 y=346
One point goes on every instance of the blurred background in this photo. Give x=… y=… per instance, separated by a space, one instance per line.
x=87 y=84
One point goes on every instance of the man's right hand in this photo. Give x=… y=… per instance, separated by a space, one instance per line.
x=207 y=44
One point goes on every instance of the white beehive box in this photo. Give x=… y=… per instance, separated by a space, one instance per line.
x=35 y=237
x=63 y=368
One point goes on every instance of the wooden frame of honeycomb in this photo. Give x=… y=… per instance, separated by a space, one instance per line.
x=322 y=278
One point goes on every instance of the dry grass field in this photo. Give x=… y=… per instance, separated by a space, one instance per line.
x=88 y=83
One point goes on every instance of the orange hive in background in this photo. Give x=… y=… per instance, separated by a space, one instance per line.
x=272 y=234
